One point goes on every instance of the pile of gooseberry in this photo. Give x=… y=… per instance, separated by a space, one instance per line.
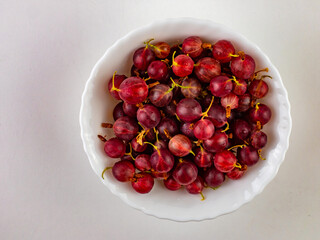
x=189 y=115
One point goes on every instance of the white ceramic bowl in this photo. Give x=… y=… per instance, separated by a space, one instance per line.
x=97 y=106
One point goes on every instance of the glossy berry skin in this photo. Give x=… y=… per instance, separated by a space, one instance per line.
x=148 y=116
x=192 y=46
x=114 y=148
x=185 y=173
x=242 y=129
x=217 y=142
x=176 y=90
x=125 y=128
x=189 y=110
x=261 y=113
x=162 y=160
x=244 y=102
x=142 y=162
x=258 y=139
x=196 y=186
x=150 y=135
x=258 y=89
x=217 y=114
x=191 y=88
x=230 y=101
x=130 y=109
x=243 y=67
x=222 y=50
x=207 y=68
x=236 y=173
x=118 y=111
x=161 y=144
x=248 y=155
x=142 y=57
x=170 y=109
x=137 y=147
x=205 y=102
x=127 y=158
x=220 y=86
x=225 y=161
x=158 y=70
x=160 y=95
x=171 y=184
x=161 y=49
x=187 y=129
x=239 y=87
x=143 y=183
x=133 y=90
x=118 y=79
x=182 y=65
x=180 y=145
x=203 y=129
x=213 y=177
x=167 y=125
x=123 y=171
x=203 y=158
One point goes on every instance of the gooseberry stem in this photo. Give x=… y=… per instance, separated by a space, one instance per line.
x=256 y=74
x=203 y=198
x=153 y=84
x=148 y=42
x=227 y=127
x=139 y=137
x=113 y=87
x=107 y=168
x=177 y=117
x=173 y=62
x=236 y=146
x=259 y=153
x=201 y=148
x=174 y=84
x=237 y=165
x=235 y=80
x=262 y=70
x=205 y=114
x=155 y=147
x=257 y=106
x=156 y=132
x=166 y=132
x=264 y=76
x=130 y=153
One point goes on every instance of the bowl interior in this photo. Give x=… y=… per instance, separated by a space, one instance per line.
x=97 y=106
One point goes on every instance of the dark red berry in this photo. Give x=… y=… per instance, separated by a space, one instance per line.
x=123 y=171
x=143 y=183
x=185 y=173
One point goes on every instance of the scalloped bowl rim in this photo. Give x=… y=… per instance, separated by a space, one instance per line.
x=163 y=214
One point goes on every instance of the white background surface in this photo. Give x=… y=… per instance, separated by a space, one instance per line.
x=47 y=187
